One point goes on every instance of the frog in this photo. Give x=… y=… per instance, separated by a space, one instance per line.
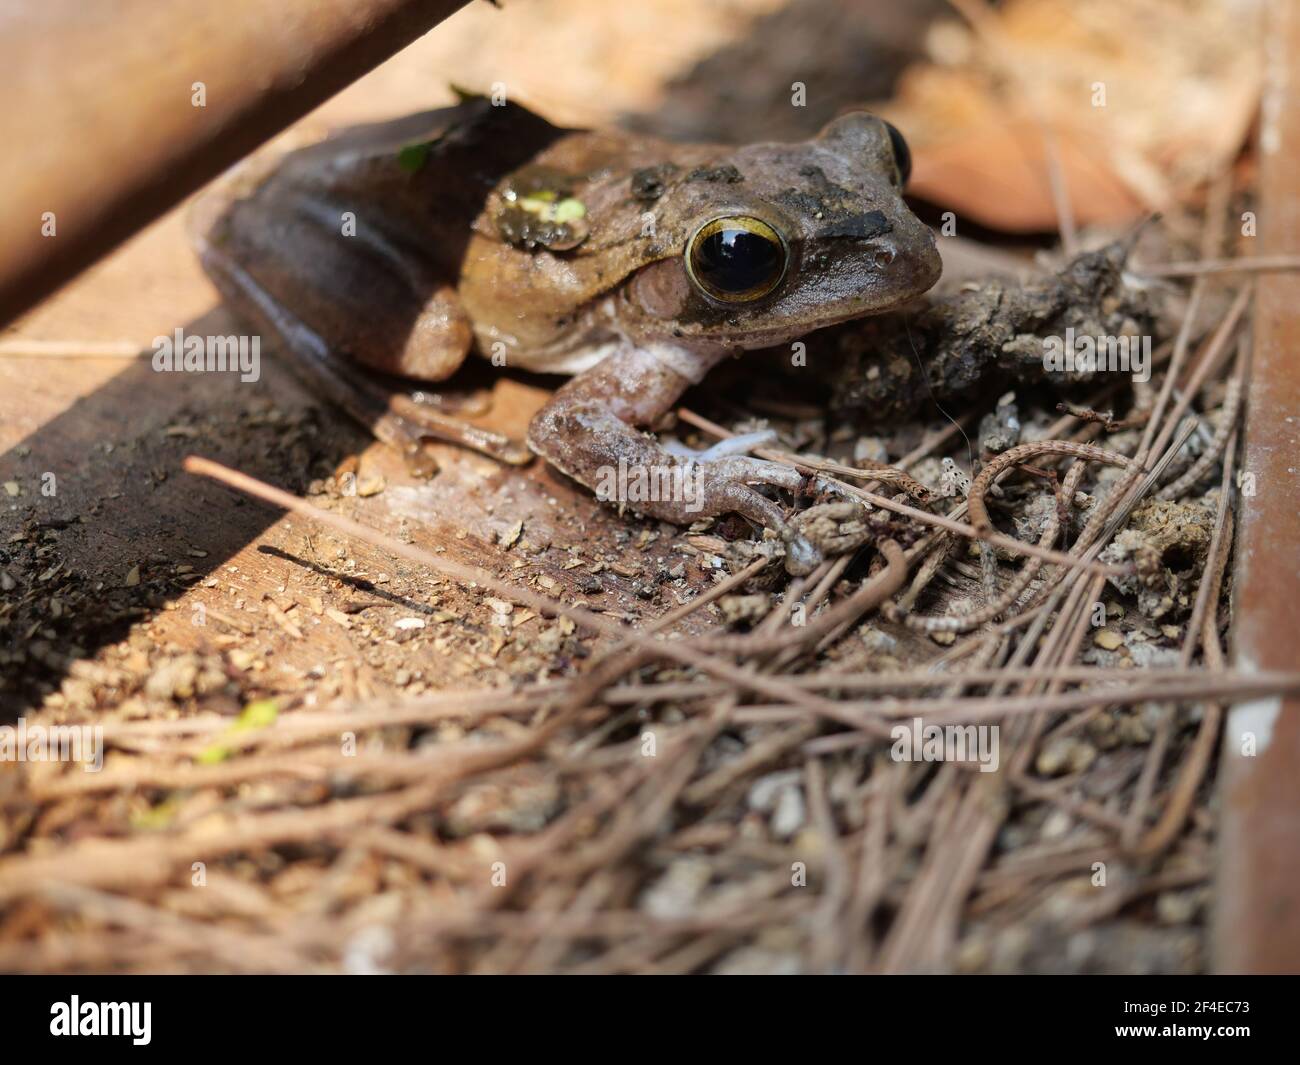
x=382 y=255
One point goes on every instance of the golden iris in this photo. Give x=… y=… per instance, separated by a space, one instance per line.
x=736 y=259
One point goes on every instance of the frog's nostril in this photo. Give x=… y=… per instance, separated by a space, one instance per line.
x=881 y=253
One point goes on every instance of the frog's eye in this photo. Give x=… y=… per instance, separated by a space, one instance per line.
x=736 y=259
x=902 y=154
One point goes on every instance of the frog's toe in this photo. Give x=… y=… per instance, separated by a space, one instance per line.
x=406 y=423
x=744 y=470
x=726 y=486
x=729 y=488
x=742 y=444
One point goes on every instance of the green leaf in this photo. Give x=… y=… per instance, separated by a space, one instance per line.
x=213 y=755
x=260 y=713
x=412 y=157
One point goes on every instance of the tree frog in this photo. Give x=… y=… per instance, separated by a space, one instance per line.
x=632 y=264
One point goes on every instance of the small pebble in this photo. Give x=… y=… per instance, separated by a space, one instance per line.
x=1108 y=639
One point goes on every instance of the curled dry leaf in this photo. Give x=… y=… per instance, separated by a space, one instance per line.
x=1140 y=102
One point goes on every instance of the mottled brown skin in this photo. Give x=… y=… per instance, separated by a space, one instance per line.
x=442 y=260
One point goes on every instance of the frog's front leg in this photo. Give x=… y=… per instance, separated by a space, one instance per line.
x=589 y=431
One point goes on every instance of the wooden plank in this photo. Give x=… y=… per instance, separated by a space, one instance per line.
x=104 y=127
x=1258 y=919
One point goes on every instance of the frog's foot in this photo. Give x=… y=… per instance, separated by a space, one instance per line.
x=403 y=420
x=651 y=479
x=588 y=432
x=407 y=421
x=727 y=485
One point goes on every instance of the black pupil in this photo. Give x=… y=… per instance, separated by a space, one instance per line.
x=736 y=260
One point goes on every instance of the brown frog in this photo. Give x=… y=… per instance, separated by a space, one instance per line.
x=633 y=264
